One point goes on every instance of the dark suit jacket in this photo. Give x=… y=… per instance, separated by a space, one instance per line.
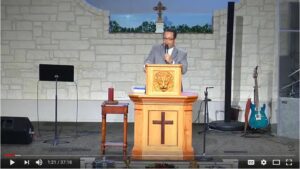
x=157 y=53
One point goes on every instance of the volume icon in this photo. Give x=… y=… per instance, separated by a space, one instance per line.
x=39 y=162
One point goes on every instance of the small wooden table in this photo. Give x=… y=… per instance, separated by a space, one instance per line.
x=120 y=108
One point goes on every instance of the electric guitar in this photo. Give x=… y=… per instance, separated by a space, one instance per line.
x=258 y=117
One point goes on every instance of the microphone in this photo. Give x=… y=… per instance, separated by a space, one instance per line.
x=166 y=49
x=206 y=93
x=166 y=52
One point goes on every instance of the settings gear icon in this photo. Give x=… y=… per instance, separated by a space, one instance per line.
x=263 y=162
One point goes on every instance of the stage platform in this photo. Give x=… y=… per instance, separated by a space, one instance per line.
x=227 y=148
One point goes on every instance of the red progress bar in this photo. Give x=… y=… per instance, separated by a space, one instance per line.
x=10 y=155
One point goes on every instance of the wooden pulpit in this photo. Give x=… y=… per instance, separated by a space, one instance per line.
x=163 y=116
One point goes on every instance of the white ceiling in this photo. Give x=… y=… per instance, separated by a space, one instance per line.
x=173 y=6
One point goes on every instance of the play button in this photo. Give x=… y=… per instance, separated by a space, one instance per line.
x=11 y=162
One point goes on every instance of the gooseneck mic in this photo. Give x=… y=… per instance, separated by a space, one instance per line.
x=206 y=92
x=209 y=87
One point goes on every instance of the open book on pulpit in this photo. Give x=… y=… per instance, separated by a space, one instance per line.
x=163 y=79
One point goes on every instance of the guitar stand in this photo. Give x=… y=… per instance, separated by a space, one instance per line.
x=206 y=127
x=257 y=133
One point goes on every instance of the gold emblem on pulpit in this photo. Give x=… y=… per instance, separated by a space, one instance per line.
x=164 y=81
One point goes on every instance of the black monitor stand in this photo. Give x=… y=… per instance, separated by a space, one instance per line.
x=64 y=73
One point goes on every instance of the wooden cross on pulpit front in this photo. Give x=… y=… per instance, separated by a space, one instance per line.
x=163 y=122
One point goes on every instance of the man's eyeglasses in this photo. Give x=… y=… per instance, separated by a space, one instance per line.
x=168 y=38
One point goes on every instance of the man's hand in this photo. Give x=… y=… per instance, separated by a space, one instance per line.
x=168 y=58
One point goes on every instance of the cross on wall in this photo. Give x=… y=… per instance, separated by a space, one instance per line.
x=159 y=8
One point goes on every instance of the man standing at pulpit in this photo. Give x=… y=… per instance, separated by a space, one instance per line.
x=167 y=53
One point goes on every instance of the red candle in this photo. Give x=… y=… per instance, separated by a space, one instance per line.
x=110 y=94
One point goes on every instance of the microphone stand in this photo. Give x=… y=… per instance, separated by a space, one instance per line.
x=56 y=139
x=206 y=100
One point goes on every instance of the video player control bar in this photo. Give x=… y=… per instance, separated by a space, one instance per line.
x=40 y=163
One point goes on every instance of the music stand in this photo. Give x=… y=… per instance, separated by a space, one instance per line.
x=62 y=73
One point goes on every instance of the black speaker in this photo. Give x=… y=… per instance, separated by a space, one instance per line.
x=16 y=130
